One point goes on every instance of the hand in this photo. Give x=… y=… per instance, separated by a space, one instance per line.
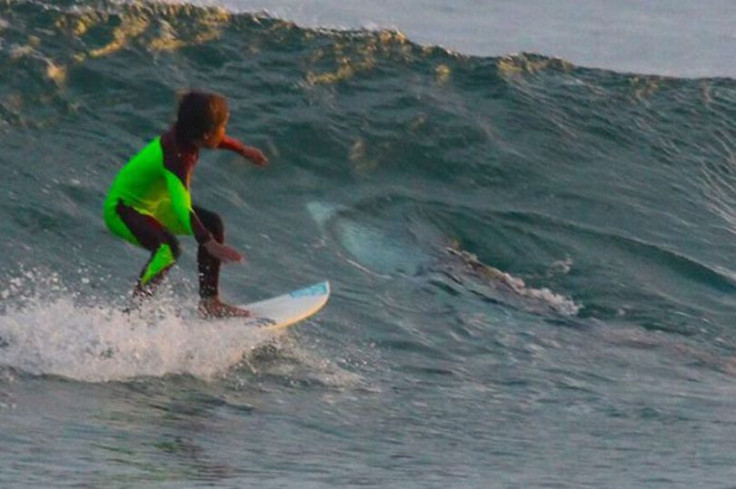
x=255 y=155
x=222 y=252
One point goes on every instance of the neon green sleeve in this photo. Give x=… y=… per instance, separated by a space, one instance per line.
x=181 y=200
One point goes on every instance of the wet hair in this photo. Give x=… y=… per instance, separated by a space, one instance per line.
x=199 y=113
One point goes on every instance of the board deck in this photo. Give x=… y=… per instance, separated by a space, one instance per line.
x=285 y=310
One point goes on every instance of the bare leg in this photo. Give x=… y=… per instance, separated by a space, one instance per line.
x=208 y=266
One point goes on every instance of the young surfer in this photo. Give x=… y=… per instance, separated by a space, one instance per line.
x=149 y=202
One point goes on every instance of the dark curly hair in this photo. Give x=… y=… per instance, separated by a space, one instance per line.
x=199 y=113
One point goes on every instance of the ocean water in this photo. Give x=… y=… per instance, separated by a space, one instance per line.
x=665 y=37
x=531 y=255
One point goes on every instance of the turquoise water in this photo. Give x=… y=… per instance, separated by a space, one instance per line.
x=531 y=263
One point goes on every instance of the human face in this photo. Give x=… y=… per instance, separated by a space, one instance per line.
x=213 y=138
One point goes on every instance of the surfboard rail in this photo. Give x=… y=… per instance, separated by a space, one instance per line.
x=280 y=312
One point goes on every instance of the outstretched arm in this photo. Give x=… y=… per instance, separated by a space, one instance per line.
x=253 y=154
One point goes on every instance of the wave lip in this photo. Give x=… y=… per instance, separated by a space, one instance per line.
x=639 y=38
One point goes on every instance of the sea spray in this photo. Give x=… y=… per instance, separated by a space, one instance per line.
x=46 y=330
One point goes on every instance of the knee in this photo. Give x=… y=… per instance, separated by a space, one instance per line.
x=161 y=260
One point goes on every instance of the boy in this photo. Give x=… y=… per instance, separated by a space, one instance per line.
x=149 y=202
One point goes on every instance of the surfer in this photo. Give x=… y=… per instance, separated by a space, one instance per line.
x=149 y=201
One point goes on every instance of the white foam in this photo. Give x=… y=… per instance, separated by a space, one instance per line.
x=555 y=301
x=531 y=297
x=49 y=327
x=97 y=344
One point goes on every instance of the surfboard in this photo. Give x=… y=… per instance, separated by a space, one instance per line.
x=285 y=310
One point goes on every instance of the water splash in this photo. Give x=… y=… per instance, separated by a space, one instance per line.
x=98 y=344
x=48 y=329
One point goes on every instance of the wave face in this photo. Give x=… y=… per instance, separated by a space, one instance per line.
x=512 y=240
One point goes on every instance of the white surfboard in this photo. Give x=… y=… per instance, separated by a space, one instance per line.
x=285 y=310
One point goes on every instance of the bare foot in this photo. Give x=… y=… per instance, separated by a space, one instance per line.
x=213 y=307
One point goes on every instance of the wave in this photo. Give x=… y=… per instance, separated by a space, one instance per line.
x=591 y=193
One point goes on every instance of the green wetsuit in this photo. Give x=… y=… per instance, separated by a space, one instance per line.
x=149 y=202
x=145 y=184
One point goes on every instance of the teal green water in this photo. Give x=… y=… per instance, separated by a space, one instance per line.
x=531 y=262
